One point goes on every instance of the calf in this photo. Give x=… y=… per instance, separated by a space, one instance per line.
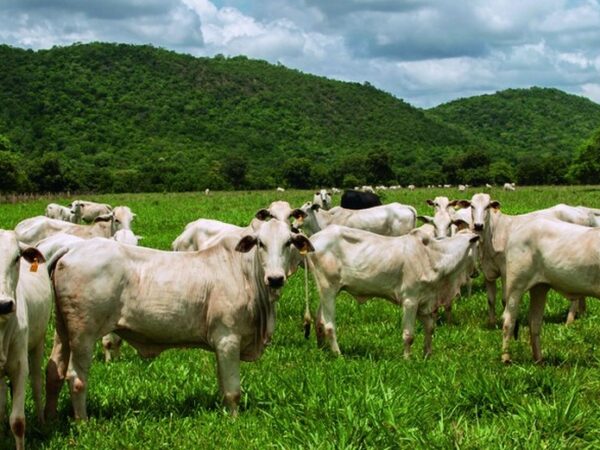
x=25 y=305
x=220 y=299
x=323 y=199
x=413 y=271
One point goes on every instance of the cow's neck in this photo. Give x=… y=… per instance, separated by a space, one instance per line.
x=323 y=219
x=263 y=306
x=492 y=246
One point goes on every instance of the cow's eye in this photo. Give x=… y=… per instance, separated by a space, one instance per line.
x=261 y=244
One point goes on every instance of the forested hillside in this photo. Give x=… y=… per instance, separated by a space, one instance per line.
x=116 y=117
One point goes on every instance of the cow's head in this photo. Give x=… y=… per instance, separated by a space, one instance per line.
x=273 y=240
x=443 y=217
x=480 y=204
x=122 y=218
x=12 y=253
x=280 y=210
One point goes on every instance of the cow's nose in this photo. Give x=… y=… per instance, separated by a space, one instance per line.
x=7 y=306
x=295 y=229
x=275 y=282
x=478 y=226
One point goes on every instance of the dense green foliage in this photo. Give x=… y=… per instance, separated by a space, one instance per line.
x=536 y=130
x=126 y=118
x=297 y=396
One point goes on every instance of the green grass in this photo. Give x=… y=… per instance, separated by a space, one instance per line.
x=297 y=396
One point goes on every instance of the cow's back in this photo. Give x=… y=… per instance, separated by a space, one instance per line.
x=352 y=199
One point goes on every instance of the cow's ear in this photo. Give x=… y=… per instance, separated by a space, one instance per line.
x=317 y=193
x=453 y=203
x=462 y=203
x=425 y=219
x=104 y=218
x=460 y=224
x=263 y=215
x=430 y=202
x=315 y=207
x=246 y=244
x=302 y=243
x=31 y=254
x=298 y=214
x=495 y=204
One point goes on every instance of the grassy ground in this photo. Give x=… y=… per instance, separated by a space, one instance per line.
x=297 y=396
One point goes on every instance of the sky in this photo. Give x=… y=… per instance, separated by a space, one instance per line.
x=425 y=52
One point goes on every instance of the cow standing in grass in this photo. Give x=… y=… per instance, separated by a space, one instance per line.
x=25 y=305
x=220 y=299
x=413 y=271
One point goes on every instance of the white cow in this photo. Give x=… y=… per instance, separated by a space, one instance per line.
x=542 y=254
x=220 y=299
x=495 y=228
x=25 y=305
x=281 y=210
x=59 y=212
x=34 y=229
x=280 y=189
x=462 y=187
x=392 y=219
x=411 y=187
x=88 y=211
x=200 y=233
x=413 y=271
x=509 y=186
x=323 y=199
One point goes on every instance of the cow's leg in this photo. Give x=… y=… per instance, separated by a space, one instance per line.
x=56 y=372
x=228 y=371
x=428 y=326
x=469 y=287
x=582 y=306
x=326 y=326
x=577 y=306
x=111 y=344
x=82 y=348
x=35 y=372
x=536 y=314
x=18 y=379
x=408 y=324
x=510 y=317
x=490 y=287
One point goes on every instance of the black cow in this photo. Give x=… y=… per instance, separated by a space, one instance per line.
x=352 y=199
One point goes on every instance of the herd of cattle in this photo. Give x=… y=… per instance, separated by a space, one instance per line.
x=218 y=287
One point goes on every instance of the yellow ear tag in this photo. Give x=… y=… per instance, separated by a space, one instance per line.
x=304 y=251
x=34 y=265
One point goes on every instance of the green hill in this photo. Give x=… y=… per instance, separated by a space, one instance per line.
x=523 y=122
x=101 y=113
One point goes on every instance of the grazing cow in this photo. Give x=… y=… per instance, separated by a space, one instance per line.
x=353 y=199
x=59 y=212
x=411 y=187
x=220 y=299
x=544 y=254
x=280 y=189
x=207 y=191
x=25 y=305
x=414 y=271
x=88 y=211
x=495 y=229
x=335 y=190
x=509 y=186
x=488 y=185
x=323 y=199
x=393 y=219
x=462 y=188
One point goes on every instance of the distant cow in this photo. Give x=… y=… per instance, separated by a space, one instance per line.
x=25 y=305
x=221 y=299
x=509 y=186
x=323 y=199
x=352 y=199
x=413 y=271
x=59 y=212
x=88 y=211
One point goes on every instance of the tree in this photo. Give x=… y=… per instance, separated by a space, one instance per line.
x=13 y=177
x=296 y=172
x=586 y=167
x=379 y=167
x=234 y=170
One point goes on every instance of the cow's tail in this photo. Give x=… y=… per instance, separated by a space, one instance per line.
x=51 y=264
x=307 y=316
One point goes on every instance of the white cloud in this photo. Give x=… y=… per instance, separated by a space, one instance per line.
x=425 y=52
x=592 y=91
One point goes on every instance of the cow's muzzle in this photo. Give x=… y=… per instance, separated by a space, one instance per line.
x=275 y=282
x=7 y=306
x=478 y=226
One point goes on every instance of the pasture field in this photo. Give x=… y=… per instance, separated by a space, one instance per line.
x=297 y=396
